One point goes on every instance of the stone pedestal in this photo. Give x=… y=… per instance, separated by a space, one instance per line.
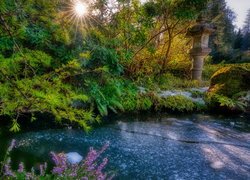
x=198 y=55
x=197 y=67
x=200 y=33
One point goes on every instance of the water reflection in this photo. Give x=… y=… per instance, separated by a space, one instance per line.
x=155 y=147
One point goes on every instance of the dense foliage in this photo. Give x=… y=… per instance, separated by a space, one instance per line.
x=121 y=56
x=49 y=64
x=76 y=68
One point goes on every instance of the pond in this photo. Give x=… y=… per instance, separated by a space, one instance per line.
x=197 y=146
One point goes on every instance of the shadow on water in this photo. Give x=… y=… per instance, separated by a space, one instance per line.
x=150 y=146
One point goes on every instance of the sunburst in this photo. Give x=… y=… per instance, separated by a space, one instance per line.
x=76 y=13
x=80 y=8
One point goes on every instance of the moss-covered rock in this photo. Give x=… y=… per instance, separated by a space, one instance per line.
x=229 y=81
x=226 y=87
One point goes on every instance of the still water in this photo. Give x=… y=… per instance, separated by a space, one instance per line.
x=196 y=146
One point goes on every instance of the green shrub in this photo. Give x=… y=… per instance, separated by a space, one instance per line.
x=147 y=82
x=180 y=69
x=136 y=102
x=197 y=94
x=176 y=103
x=223 y=101
x=101 y=56
x=209 y=70
x=245 y=57
x=168 y=81
x=200 y=106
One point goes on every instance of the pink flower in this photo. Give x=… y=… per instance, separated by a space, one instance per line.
x=41 y=168
x=101 y=166
x=91 y=157
x=60 y=162
x=58 y=170
x=20 y=167
x=8 y=171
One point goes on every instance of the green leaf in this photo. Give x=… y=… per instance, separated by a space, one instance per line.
x=15 y=127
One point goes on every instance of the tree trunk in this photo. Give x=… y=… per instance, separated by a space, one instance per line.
x=170 y=39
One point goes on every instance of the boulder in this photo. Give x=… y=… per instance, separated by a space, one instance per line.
x=73 y=158
x=229 y=81
x=227 y=88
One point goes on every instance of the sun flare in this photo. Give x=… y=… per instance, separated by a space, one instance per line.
x=78 y=13
x=80 y=8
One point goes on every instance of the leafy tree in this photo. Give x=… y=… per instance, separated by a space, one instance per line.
x=143 y=34
x=28 y=90
x=172 y=18
x=36 y=64
x=35 y=25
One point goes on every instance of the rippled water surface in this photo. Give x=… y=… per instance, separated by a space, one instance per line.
x=153 y=147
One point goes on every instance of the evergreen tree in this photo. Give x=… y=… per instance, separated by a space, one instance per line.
x=238 y=42
x=246 y=32
x=222 y=40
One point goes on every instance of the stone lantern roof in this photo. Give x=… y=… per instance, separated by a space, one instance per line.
x=201 y=27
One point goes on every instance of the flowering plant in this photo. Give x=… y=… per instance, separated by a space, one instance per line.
x=86 y=169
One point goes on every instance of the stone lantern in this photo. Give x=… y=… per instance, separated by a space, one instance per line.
x=200 y=33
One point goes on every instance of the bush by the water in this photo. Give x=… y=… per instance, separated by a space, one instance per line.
x=177 y=103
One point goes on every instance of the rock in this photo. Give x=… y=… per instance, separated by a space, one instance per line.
x=74 y=157
x=142 y=90
x=229 y=81
x=202 y=90
x=186 y=94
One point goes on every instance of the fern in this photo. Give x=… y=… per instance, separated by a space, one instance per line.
x=233 y=103
x=107 y=96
